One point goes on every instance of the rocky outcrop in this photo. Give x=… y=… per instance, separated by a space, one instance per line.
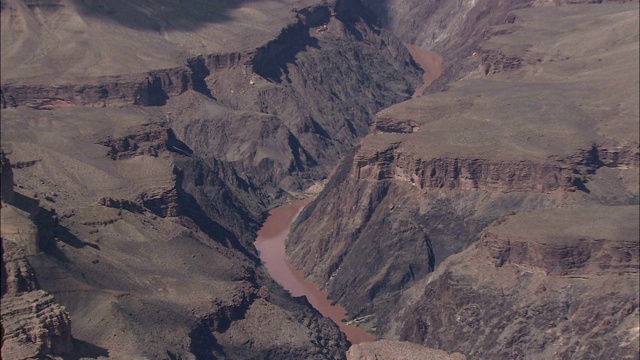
x=494 y=62
x=390 y=125
x=570 y=252
x=18 y=226
x=621 y=156
x=565 y=259
x=466 y=174
x=17 y=274
x=125 y=204
x=162 y=202
x=566 y=174
x=34 y=326
x=6 y=179
x=146 y=140
x=562 y=295
x=151 y=89
x=270 y=60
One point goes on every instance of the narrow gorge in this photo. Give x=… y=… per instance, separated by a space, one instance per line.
x=270 y=244
x=483 y=203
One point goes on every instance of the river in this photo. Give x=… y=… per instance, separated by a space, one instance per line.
x=271 y=245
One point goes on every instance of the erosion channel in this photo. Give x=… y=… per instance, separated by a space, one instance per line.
x=271 y=246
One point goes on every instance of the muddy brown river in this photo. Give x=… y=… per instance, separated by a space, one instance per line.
x=270 y=244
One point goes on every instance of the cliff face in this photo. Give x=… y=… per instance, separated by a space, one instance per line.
x=34 y=325
x=566 y=292
x=151 y=89
x=439 y=169
x=164 y=171
x=465 y=174
x=7 y=180
x=565 y=174
x=380 y=235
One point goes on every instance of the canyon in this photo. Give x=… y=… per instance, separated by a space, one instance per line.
x=270 y=244
x=483 y=203
x=542 y=139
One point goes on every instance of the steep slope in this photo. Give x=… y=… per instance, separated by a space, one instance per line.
x=451 y=28
x=130 y=268
x=33 y=324
x=537 y=125
x=565 y=290
x=154 y=168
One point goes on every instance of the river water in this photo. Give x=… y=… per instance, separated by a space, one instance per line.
x=270 y=244
x=430 y=62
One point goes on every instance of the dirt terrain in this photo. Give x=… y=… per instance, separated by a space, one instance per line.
x=144 y=143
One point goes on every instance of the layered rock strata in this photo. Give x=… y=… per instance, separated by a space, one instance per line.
x=439 y=169
x=151 y=89
x=562 y=291
x=163 y=173
x=34 y=325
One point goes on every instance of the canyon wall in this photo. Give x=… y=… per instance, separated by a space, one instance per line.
x=33 y=323
x=152 y=170
x=511 y=137
x=155 y=181
x=403 y=230
x=555 y=291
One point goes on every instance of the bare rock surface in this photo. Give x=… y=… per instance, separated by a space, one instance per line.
x=564 y=295
x=141 y=177
x=518 y=134
x=34 y=326
x=398 y=350
x=151 y=170
x=17 y=274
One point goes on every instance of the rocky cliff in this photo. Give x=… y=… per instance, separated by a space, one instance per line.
x=151 y=170
x=379 y=236
x=569 y=291
x=155 y=171
x=439 y=169
x=34 y=325
x=151 y=89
